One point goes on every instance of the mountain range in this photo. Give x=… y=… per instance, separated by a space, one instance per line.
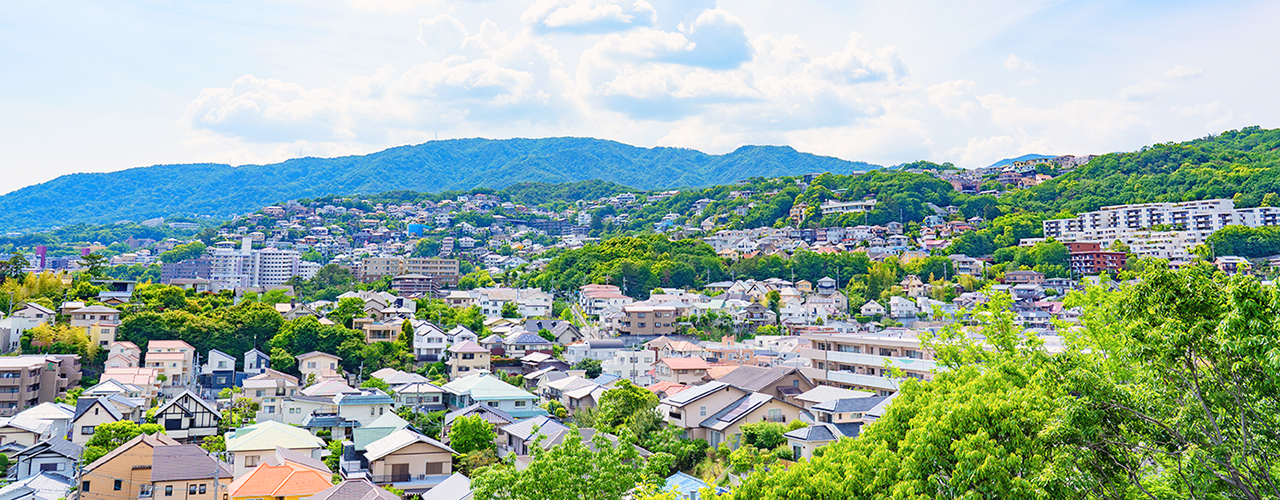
x=222 y=190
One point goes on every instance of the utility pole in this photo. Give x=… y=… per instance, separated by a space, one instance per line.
x=79 y=465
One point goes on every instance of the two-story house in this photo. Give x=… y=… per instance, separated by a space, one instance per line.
x=467 y=357
x=256 y=362
x=219 y=370
x=174 y=360
x=99 y=323
x=269 y=389
x=688 y=371
x=251 y=444
x=687 y=409
x=317 y=366
x=188 y=417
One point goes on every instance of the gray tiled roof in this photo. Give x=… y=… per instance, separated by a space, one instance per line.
x=355 y=489
x=850 y=405
x=182 y=462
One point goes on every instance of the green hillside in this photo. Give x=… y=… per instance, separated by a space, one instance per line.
x=463 y=164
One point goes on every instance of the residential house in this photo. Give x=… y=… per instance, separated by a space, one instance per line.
x=317 y=366
x=521 y=342
x=395 y=377
x=125 y=472
x=689 y=371
x=188 y=417
x=123 y=355
x=421 y=396
x=219 y=370
x=467 y=357
x=408 y=461
x=256 y=362
x=681 y=349
x=362 y=489
x=42 y=486
x=90 y=413
x=456 y=487
x=53 y=455
x=349 y=411
x=806 y=440
x=40 y=422
x=488 y=389
x=689 y=408
x=270 y=389
x=901 y=308
x=563 y=331
x=539 y=361
x=282 y=474
x=251 y=444
x=429 y=341
x=597 y=349
x=782 y=382
x=872 y=309
x=914 y=286
x=866 y=361
x=1023 y=277
x=725 y=425
x=145 y=378
x=495 y=417
x=99 y=323
x=174 y=360
x=129 y=399
x=518 y=438
x=824 y=393
x=188 y=472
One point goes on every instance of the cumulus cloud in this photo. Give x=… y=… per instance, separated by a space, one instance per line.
x=589 y=16
x=1014 y=63
x=493 y=76
x=1145 y=90
x=1182 y=73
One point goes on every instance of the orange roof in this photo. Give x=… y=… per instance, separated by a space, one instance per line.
x=667 y=387
x=686 y=363
x=719 y=371
x=289 y=479
x=682 y=345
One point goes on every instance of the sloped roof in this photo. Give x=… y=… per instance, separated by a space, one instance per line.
x=42 y=486
x=56 y=445
x=362 y=489
x=281 y=479
x=670 y=388
x=269 y=434
x=824 y=393
x=456 y=487
x=381 y=427
x=83 y=405
x=313 y=354
x=398 y=440
x=486 y=387
x=847 y=405
x=467 y=346
x=329 y=387
x=813 y=433
x=489 y=413
x=736 y=411
x=153 y=440
x=695 y=393
x=528 y=429
x=186 y=461
x=755 y=378
x=191 y=396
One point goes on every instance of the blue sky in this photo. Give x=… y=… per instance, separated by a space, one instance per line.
x=99 y=86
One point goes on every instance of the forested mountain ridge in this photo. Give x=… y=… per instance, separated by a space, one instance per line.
x=1242 y=164
x=461 y=164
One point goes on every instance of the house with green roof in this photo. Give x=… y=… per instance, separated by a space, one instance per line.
x=251 y=444
x=487 y=389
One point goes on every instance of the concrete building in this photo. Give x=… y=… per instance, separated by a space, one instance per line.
x=1162 y=230
x=174 y=359
x=641 y=319
x=99 y=323
x=28 y=380
x=865 y=361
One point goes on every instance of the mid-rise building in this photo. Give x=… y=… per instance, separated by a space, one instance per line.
x=865 y=361
x=28 y=380
x=1161 y=230
x=232 y=267
x=444 y=272
x=201 y=267
x=638 y=319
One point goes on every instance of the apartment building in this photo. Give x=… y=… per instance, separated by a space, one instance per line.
x=200 y=267
x=1162 y=230
x=244 y=266
x=595 y=299
x=28 y=380
x=444 y=272
x=633 y=365
x=865 y=361
x=1090 y=258
x=843 y=207
x=640 y=319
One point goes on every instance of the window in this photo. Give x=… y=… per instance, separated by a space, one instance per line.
x=435 y=468
x=702 y=411
x=261 y=392
x=168 y=491
x=117 y=485
x=86 y=430
x=144 y=490
x=84 y=486
x=311 y=364
x=252 y=460
x=271 y=409
x=191 y=489
x=50 y=467
x=520 y=404
x=202 y=490
x=370 y=411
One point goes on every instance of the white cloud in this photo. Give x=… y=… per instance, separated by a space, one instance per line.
x=1014 y=63
x=1182 y=73
x=1145 y=90
x=589 y=16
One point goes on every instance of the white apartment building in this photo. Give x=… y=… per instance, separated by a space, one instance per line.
x=232 y=267
x=632 y=365
x=865 y=361
x=843 y=207
x=1184 y=225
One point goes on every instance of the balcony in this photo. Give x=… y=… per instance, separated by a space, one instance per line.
x=853 y=358
x=409 y=481
x=854 y=379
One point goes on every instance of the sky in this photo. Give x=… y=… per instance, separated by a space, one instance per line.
x=90 y=86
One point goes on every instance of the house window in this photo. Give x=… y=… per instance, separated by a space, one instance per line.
x=435 y=468
x=702 y=411
x=520 y=404
x=191 y=489
x=84 y=486
x=117 y=485
x=168 y=491
x=86 y=430
x=145 y=490
x=50 y=467
x=311 y=364
x=251 y=460
x=202 y=490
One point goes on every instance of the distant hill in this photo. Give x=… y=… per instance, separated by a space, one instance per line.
x=1010 y=161
x=1240 y=164
x=462 y=164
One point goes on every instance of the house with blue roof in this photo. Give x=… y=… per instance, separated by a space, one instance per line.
x=687 y=487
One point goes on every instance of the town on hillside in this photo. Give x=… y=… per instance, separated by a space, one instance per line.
x=685 y=343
